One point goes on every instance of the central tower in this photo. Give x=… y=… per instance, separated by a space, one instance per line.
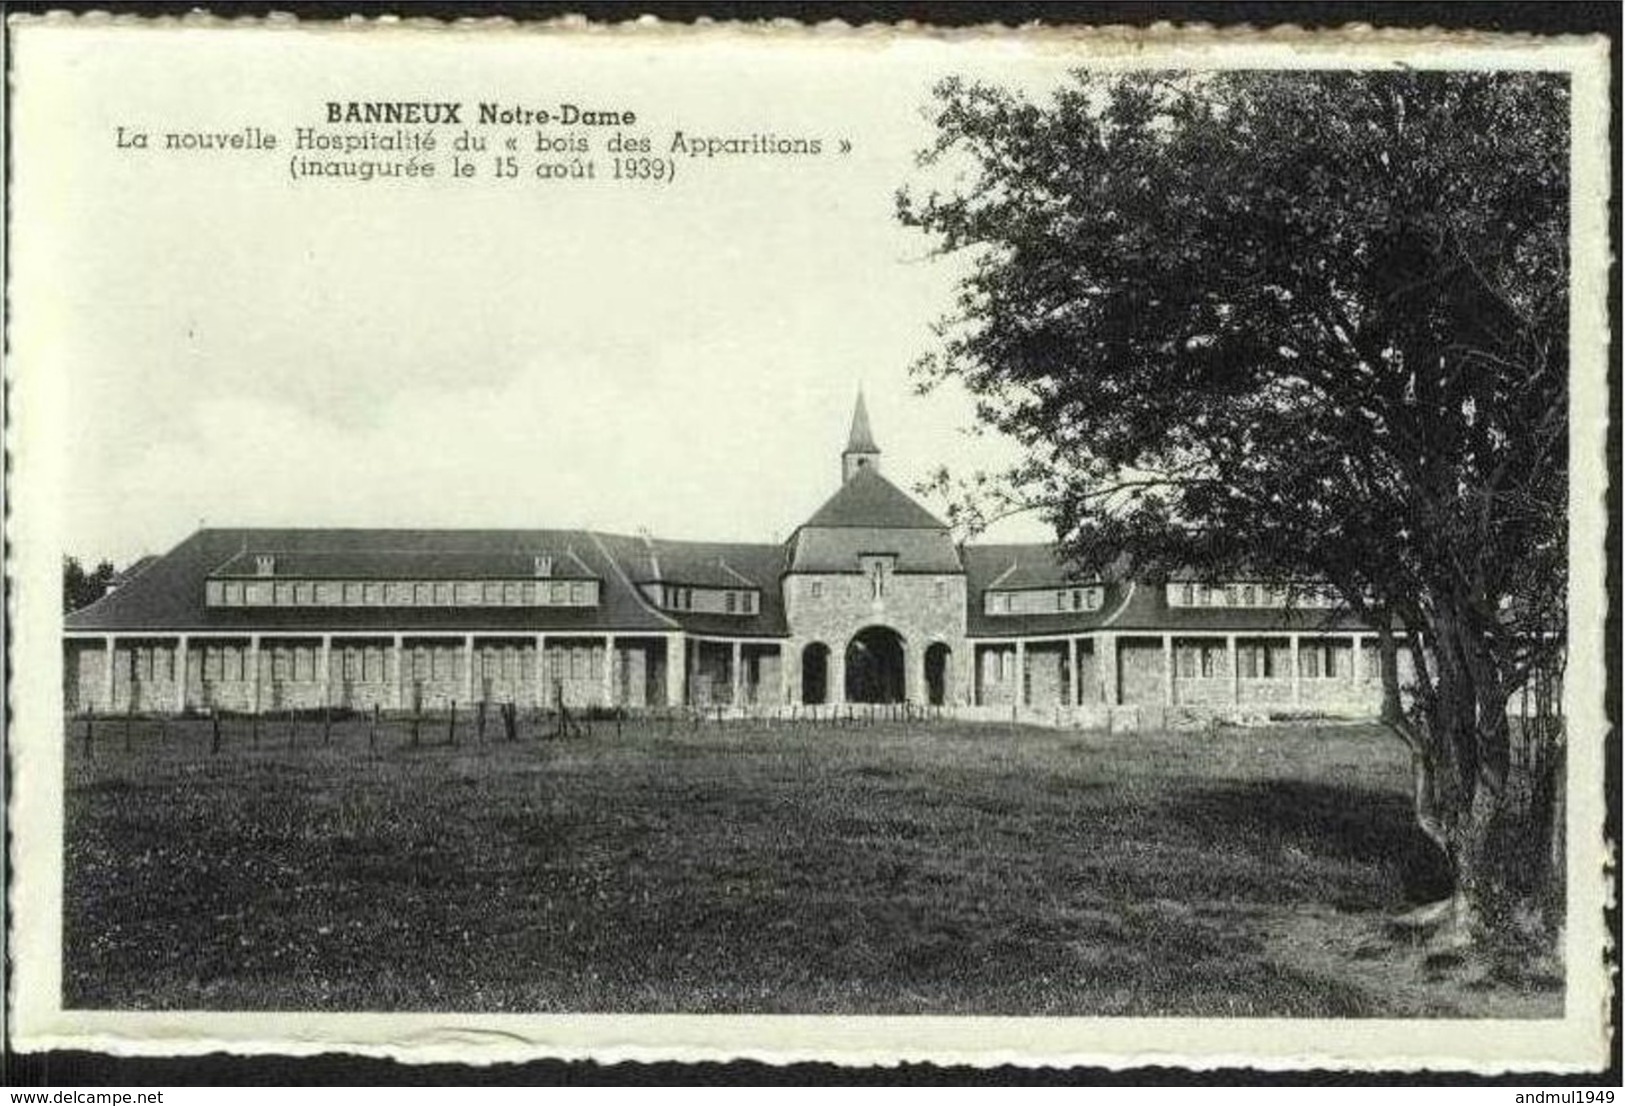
x=860 y=452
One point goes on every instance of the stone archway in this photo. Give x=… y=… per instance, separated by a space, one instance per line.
x=815 y=674
x=874 y=666
x=937 y=669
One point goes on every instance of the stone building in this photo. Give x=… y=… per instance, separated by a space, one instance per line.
x=869 y=601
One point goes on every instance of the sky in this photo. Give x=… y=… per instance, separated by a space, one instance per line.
x=237 y=348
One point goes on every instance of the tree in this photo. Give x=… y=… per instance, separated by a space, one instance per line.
x=1310 y=324
x=80 y=588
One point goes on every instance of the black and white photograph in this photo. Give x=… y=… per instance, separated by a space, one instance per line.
x=802 y=543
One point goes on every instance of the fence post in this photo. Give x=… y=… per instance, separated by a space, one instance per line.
x=479 y=723
x=214 y=743
x=372 y=729
x=327 y=724
x=451 y=725
x=90 y=730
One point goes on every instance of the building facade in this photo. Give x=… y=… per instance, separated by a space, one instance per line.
x=869 y=601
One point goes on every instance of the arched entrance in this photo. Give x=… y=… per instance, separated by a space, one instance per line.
x=815 y=673
x=874 y=666
x=937 y=656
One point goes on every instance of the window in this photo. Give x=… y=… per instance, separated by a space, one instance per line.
x=1309 y=662
x=578 y=663
x=1185 y=661
x=468 y=594
x=352 y=593
x=817 y=589
x=1007 y=660
x=420 y=663
x=232 y=662
x=1077 y=599
x=543 y=565
x=279 y=664
x=578 y=593
x=375 y=594
x=212 y=593
x=264 y=565
x=493 y=593
x=529 y=592
x=510 y=594
x=941 y=589
x=1060 y=600
x=304 y=594
x=556 y=594
x=352 y=662
x=211 y=663
x=328 y=594
x=304 y=662
x=1187 y=595
x=256 y=595
x=728 y=602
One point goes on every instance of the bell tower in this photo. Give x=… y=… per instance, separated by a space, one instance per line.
x=861 y=451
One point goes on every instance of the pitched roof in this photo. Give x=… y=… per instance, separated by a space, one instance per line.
x=708 y=564
x=169 y=594
x=861 y=439
x=871 y=501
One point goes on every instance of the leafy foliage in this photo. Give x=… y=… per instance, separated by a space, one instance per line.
x=1294 y=323
x=81 y=588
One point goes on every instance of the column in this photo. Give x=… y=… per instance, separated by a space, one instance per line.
x=609 y=671
x=916 y=670
x=1106 y=662
x=736 y=676
x=1354 y=663
x=1297 y=672
x=254 y=669
x=1235 y=667
x=1020 y=695
x=676 y=668
x=400 y=672
x=327 y=669
x=468 y=669
x=541 y=672
x=1168 y=669
x=784 y=674
x=968 y=671
x=1072 y=681
x=180 y=673
x=837 y=676
x=112 y=653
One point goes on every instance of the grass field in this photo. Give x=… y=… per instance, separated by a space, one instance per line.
x=874 y=869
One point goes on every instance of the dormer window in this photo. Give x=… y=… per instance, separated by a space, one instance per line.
x=543 y=565
x=264 y=565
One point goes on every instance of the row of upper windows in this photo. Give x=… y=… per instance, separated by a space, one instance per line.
x=1249 y=595
x=1060 y=600
x=676 y=597
x=876 y=585
x=401 y=593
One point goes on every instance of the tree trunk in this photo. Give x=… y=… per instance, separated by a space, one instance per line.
x=1492 y=815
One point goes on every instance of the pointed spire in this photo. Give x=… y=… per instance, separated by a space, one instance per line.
x=861 y=440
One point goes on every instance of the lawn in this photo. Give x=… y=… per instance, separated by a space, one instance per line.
x=880 y=869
